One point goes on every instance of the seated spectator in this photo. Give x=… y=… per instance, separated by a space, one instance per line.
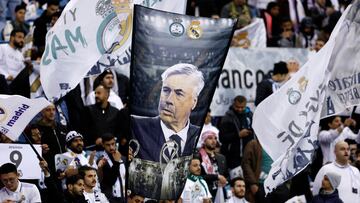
x=7 y=7
x=196 y=190
x=19 y=22
x=272 y=23
x=134 y=198
x=239 y=9
x=328 y=191
x=288 y=36
x=307 y=35
x=11 y=58
x=15 y=190
x=91 y=193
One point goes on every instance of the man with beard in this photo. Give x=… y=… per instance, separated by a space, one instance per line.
x=213 y=164
x=11 y=58
x=75 y=145
x=91 y=193
x=101 y=117
x=112 y=170
x=238 y=191
x=236 y=132
x=107 y=80
x=196 y=190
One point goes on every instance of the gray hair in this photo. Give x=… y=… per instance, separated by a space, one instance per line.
x=186 y=69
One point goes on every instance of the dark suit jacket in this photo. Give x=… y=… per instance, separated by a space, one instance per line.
x=147 y=131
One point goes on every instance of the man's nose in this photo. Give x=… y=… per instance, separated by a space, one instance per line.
x=170 y=98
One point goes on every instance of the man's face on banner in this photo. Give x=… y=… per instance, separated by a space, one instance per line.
x=177 y=100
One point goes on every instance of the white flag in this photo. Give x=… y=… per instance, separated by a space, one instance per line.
x=121 y=53
x=287 y=122
x=82 y=34
x=16 y=112
x=253 y=35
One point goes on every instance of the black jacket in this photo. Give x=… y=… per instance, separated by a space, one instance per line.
x=327 y=198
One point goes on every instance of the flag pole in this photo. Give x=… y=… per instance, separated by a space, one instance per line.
x=33 y=148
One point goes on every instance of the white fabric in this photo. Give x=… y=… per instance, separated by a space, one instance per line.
x=234 y=199
x=195 y=192
x=299 y=9
x=122 y=171
x=208 y=127
x=95 y=197
x=16 y=112
x=350 y=178
x=113 y=99
x=260 y=4
x=25 y=191
x=292 y=114
x=11 y=61
x=254 y=32
x=74 y=44
x=182 y=133
x=329 y=138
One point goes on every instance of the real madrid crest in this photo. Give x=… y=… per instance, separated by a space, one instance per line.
x=176 y=29
x=294 y=96
x=194 y=30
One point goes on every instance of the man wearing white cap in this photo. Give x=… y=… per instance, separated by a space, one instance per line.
x=213 y=164
x=328 y=191
x=75 y=145
x=349 y=187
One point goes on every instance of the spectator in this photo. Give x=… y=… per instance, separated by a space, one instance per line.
x=75 y=190
x=134 y=198
x=19 y=22
x=272 y=23
x=112 y=170
x=288 y=35
x=196 y=190
x=208 y=127
x=7 y=7
x=269 y=85
x=256 y=165
x=357 y=160
x=239 y=9
x=52 y=134
x=307 y=35
x=42 y=24
x=328 y=192
x=319 y=43
x=238 y=191
x=14 y=190
x=349 y=187
x=11 y=58
x=332 y=132
x=236 y=132
x=105 y=79
x=92 y=195
x=101 y=117
x=213 y=164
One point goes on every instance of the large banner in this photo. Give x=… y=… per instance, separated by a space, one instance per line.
x=84 y=32
x=176 y=63
x=244 y=69
x=23 y=157
x=16 y=112
x=121 y=54
x=291 y=115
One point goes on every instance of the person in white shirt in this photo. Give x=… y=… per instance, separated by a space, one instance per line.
x=349 y=187
x=11 y=58
x=14 y=190
x=92 y=195
x=196 y=190
x=335 y=131
x=107 y=80
x=238 y=191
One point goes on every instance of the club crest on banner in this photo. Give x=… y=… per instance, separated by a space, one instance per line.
x=242 y=40
x=194 y=31
x=176 y=28
x=294 y=96
x=121 y=22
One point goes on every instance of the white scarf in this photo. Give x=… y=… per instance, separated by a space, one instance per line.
x=116 y=187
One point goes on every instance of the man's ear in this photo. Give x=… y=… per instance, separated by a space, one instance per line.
x=195 y=102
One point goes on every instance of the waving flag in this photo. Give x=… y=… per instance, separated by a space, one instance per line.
x=16 y=112
x=289 y=119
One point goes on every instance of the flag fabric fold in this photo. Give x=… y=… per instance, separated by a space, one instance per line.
x=287 y=122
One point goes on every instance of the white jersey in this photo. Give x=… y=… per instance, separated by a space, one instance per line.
x=95 y=197
x=11 y=61
x=195 y=191
x=25 y=193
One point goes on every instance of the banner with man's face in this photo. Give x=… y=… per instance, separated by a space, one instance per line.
x=176 y=63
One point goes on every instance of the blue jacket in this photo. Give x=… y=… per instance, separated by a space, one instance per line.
x=327 y=198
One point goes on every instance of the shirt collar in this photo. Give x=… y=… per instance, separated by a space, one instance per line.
x=168 y=132
x=18 y=189
x=340 y=166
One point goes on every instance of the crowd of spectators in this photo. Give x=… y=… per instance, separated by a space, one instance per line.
x=90 y=125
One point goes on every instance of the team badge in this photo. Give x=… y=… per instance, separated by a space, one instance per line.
x=194 y=31
x=176 y=28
